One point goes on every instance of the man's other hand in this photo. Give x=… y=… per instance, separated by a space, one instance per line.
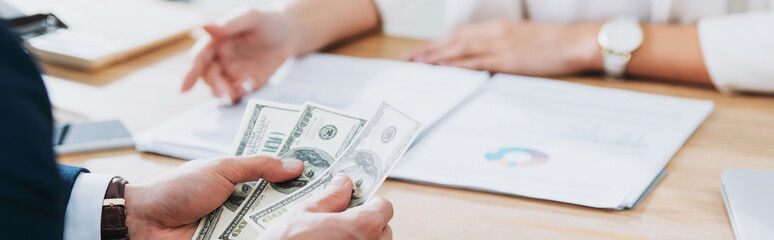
x=327 y=217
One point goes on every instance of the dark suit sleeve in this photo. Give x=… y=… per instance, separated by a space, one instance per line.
x=33 y=197
x=68 y=175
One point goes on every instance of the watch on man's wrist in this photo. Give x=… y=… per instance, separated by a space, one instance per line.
x=619 y=38
x=113 y=224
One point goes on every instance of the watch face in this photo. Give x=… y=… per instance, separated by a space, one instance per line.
x=621 y=35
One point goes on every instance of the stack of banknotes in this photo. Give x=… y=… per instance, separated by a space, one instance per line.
x=327 y=141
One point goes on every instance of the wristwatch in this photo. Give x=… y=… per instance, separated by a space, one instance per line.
x=114 y=211
x=619 y=37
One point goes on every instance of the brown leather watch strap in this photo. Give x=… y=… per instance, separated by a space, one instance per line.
x=114 y=211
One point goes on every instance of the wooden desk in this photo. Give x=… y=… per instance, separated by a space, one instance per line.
x=686 y=205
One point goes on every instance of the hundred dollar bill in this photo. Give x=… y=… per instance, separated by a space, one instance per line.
x=368 y=161
x=263 y=129
x=318 y=137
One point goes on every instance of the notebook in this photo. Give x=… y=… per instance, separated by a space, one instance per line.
x=103 y=32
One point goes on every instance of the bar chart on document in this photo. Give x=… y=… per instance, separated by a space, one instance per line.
x=554 y=140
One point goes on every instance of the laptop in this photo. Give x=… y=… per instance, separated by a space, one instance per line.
x=97 y=33
x=749 y=198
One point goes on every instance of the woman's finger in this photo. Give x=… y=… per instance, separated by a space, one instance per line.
x=204 y=52
x=488 y=62
x=456 y=41
x=465 y=34
x=209 y=77
x=241 y=78
x=418 y=54
x=461 y=49
x=219 y=83
x=245 y=85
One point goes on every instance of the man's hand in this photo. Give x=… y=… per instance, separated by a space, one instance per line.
x=525 y=48
x=170 y=206
x=240 y=54
x=322 y=218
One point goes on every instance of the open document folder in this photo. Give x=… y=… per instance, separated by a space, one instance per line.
x=555 y=140
x=533 y=137
x=352 y=84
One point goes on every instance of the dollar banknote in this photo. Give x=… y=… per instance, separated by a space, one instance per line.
x=317 y=136
x=263 y=129
x=367 y=161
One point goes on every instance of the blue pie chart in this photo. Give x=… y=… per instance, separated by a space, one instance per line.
x=516 y=157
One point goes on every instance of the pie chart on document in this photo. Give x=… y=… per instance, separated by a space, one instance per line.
x=516 y=157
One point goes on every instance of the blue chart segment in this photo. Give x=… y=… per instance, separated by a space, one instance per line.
x=516 y=157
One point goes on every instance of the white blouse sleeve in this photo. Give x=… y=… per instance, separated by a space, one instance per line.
x=433 y=19
x=421 y=19
x=739 y=51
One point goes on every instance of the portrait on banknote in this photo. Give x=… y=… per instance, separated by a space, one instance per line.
x=315 y=163
x=362 y=167
x=238 y=196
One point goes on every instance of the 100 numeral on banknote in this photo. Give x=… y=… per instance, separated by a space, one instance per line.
x=264 y=126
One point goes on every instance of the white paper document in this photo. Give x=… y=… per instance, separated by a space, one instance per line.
x=555 y=140
x=352 y=84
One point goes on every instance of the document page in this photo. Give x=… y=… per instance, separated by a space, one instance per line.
x=555 y=140
x=355 y=85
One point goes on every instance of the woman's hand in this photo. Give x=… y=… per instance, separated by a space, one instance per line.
x=525 y=48
x=240 y=54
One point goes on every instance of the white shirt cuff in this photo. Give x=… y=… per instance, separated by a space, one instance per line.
x=737 y=50
x=84 y=209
